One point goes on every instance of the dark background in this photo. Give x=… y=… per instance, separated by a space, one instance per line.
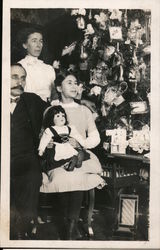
x=58 y=27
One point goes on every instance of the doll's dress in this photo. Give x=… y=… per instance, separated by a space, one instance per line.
x=63 y=149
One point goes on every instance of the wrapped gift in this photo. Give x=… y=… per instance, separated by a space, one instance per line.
x=118 y=140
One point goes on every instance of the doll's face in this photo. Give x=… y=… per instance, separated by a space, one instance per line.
x=59 y=119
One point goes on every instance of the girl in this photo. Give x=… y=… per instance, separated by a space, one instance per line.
x=55 y=122
x=40 y=76
x=70 y=184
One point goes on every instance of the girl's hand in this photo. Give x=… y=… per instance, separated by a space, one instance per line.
x=74 y=143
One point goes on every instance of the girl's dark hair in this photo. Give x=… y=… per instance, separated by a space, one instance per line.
x=49 y=116
x=62 y=75
x=24 y=34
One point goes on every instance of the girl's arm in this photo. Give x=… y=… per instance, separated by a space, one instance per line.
x=45 y=139
x=93 y=138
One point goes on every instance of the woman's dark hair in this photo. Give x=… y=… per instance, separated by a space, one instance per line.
x=49 y=115
x=24 y=34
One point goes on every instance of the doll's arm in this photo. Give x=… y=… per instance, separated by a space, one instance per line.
x=45 y=139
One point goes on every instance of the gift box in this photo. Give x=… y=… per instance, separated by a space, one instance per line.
x=118 y=140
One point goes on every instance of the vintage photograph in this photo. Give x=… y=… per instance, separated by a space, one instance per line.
x=80 y=124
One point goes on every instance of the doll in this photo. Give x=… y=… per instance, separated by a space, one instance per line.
x=62 y=153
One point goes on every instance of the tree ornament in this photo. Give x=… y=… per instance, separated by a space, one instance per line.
x=83 y=54
x=135 y=32
x=116 y=14
x=95 y=42
x=101 y=19
x=90 y=15
x=89 y=30
x=108 y=52
x=80 y=23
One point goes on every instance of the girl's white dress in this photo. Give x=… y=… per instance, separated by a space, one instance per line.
x=40 y=76
x=88 y=176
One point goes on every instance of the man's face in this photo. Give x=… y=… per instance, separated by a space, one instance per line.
x=18 y=80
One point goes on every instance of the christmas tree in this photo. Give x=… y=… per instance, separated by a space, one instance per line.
x=112 y=59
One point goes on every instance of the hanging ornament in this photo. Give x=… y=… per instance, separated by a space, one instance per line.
x=125 y=18
x=135 y=32
x=74 y=12
x=83 y=54
x=80 y=23
x=115 y=33
x=101 y=19
x=95 y=42
x=89 y=30
x=82 y=12
x=116 y=14
x=108 y=52
x=142 y=68
x=90 y=15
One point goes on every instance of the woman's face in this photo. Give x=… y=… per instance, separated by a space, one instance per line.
x=69 y=87
x=59 y=119
x=34 y=44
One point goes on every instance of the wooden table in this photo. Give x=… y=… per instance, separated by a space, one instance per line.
x=122 y=171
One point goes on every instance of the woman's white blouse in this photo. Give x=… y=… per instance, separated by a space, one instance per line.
x=40 y=76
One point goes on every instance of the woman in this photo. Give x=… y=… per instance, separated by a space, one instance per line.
x=71 y=184
x=40 y=76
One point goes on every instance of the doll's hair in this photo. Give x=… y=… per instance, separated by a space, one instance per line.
x=49 y=116
x=24 y=34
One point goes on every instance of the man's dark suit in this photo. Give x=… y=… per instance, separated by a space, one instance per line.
x=26 y=122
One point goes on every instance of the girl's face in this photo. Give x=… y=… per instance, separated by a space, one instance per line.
x=34 y=44
x=68 y=88
x=59 y=119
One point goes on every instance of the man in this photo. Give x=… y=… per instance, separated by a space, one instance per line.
x=26 y=120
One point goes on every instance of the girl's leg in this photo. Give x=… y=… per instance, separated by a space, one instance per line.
x=75 y=202
x=63 y=217
x=70 y=203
